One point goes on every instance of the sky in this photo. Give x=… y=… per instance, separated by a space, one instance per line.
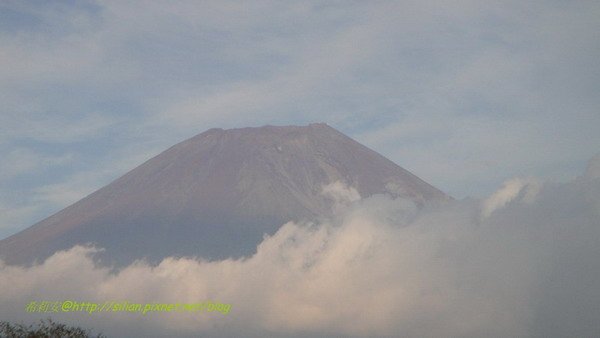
x=465 y=94
x=493 y=102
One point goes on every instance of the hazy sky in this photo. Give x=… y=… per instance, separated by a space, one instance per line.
x=465 y=94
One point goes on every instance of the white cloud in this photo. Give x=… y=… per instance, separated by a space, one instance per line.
x=341 y=193
x=370 y=271
x=524 y=189
x=471 y=93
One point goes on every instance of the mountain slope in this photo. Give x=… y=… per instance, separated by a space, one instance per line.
x=216 y=194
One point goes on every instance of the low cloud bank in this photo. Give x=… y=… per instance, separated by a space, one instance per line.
x=524 y=262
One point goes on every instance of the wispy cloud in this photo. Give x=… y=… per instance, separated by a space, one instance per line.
x=464 y=95
x=22 y=161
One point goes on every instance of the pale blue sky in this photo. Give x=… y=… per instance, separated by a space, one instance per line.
x=465 y=94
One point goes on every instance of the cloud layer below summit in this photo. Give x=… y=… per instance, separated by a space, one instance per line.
x=522 y=262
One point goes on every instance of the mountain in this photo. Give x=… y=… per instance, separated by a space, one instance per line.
x=216 y=194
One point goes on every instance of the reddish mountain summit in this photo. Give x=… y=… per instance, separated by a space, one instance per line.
x=216 y=194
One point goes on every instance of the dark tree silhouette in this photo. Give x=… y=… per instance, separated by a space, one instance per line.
x=46 y=328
